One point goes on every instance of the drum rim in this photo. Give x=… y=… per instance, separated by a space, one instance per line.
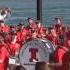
x=20 y=53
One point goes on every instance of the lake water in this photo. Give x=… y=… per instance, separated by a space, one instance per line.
x=21 y=9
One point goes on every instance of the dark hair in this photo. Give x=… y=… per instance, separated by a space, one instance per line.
x=1 y=21
x=28 y=18
x=41 y=66
x=20 y=24
x=20 y=67
x=56 y=18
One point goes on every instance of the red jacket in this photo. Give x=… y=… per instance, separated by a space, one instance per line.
x=61 y=56
x=19 y=37
x=53 y=39
x=8 y=38
x=14 y=47
x=4 y=55
x=5 y=29
x=26 y=34
x=41 y=31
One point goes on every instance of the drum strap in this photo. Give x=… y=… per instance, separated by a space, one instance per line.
x=8 y=49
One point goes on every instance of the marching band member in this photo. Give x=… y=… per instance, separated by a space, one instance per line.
x=26 y=34
x=15 y=47
x=19 y=29
x=4 y=13
x=41 y=30
x=32 y=24
x=4 y=55
x=58 y=24
x=53 y=37
x=62 y=57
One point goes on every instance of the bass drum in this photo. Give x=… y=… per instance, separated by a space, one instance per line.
x=34 y=51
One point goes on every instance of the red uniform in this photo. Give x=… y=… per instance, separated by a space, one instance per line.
x=42 y=31
x=14 y=48
x=26 y=34
x=19 y=37
x=61 y=56
x=53 y=39
x=4 y=55
x=8 y=38
x=5 y=29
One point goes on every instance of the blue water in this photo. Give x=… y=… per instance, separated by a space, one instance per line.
x=21 y=9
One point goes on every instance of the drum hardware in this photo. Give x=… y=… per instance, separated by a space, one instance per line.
x=14 y=60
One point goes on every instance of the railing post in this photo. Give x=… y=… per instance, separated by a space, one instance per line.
x=39 y=10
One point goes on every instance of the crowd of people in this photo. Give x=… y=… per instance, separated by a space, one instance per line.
x=13 y=37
